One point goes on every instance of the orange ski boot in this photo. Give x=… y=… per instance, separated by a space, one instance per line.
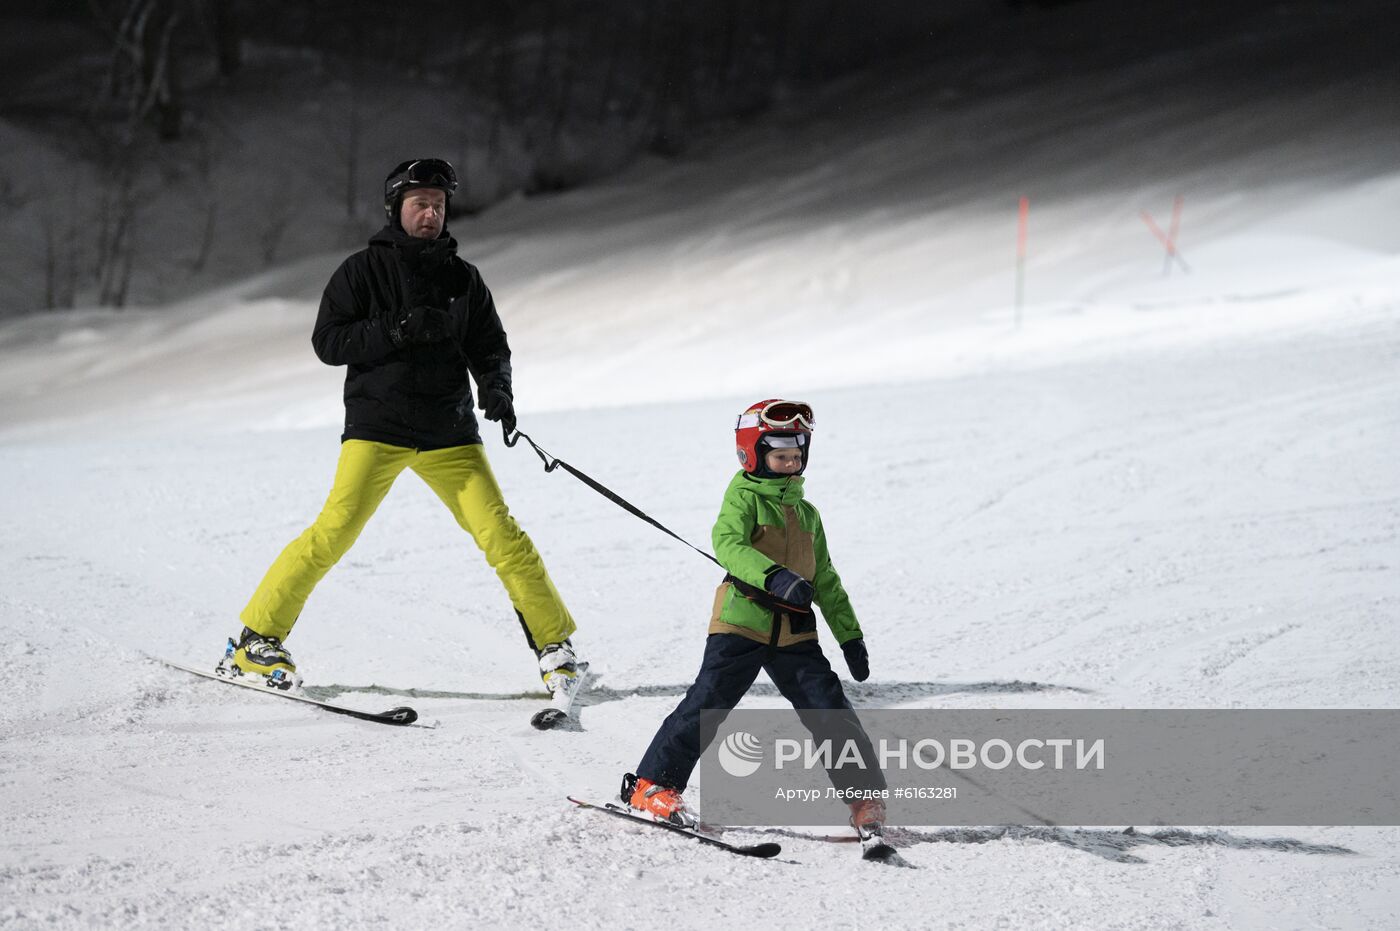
x=662 y=803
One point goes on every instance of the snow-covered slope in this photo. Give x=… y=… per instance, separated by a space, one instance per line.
x=1154 y=491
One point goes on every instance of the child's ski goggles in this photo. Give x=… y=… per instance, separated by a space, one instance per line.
x=788 y=413
x=779 y=415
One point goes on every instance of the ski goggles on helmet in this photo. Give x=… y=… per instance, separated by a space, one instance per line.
x=787 y=414
x=424 y=172
x=777 y=415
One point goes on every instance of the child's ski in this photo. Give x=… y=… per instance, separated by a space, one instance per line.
x=762 y=851
x=561 y=701
x=400 y=716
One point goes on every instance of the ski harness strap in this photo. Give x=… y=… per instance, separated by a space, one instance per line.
x=751 y=592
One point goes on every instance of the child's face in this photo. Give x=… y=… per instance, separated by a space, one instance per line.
x=783 y=461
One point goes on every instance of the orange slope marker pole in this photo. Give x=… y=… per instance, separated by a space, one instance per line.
x=1172 y=232
x=1169 y=241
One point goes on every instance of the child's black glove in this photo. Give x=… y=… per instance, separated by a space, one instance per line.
x=857 y=659
x=789 y=587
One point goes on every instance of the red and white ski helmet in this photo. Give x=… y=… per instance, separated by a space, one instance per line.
x=769 y=425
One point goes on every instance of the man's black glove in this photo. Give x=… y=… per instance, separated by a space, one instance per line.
x=497 y=404
x=857 y=660
x=418 y=325
x=789 y=587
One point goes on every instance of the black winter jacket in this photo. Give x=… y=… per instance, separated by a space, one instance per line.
x=417 y=396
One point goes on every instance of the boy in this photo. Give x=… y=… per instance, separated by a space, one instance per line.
x=770 y=539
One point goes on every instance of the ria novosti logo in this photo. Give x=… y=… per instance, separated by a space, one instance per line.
x=741 y=754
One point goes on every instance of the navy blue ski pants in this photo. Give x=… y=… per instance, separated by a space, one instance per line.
x=731 y=664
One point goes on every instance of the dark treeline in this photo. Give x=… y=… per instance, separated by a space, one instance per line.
x=671 y=64
x=149 y=94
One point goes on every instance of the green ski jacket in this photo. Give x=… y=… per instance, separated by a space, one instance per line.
x=763 y=523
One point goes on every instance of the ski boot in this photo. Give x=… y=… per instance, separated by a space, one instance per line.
x=263 y=657
x=663 y=804
x=559 y=666
x=563 y=675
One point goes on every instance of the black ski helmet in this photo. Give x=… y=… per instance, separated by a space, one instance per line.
x=417 y=173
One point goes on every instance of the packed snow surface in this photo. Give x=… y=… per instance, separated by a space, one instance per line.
x=1142 y=488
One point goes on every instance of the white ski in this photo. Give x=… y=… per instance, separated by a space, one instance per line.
x=400 y=716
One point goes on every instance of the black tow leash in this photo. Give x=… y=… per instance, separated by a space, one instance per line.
x=752 y=592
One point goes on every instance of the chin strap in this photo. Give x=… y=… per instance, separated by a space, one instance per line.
x=513 y=436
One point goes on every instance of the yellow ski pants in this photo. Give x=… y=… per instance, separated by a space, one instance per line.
x=462 y=478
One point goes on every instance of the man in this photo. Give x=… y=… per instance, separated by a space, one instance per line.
x=410 y=320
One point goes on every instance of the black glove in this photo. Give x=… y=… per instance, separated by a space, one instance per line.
x=857 y=660
x=789 y=587
x=497 y=404
x=418 y=325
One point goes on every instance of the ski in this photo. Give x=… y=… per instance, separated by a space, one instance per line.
x=398 y=716
x=762 y=851
x=561 y=701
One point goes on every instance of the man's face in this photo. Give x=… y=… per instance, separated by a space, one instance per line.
x=423 y=212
